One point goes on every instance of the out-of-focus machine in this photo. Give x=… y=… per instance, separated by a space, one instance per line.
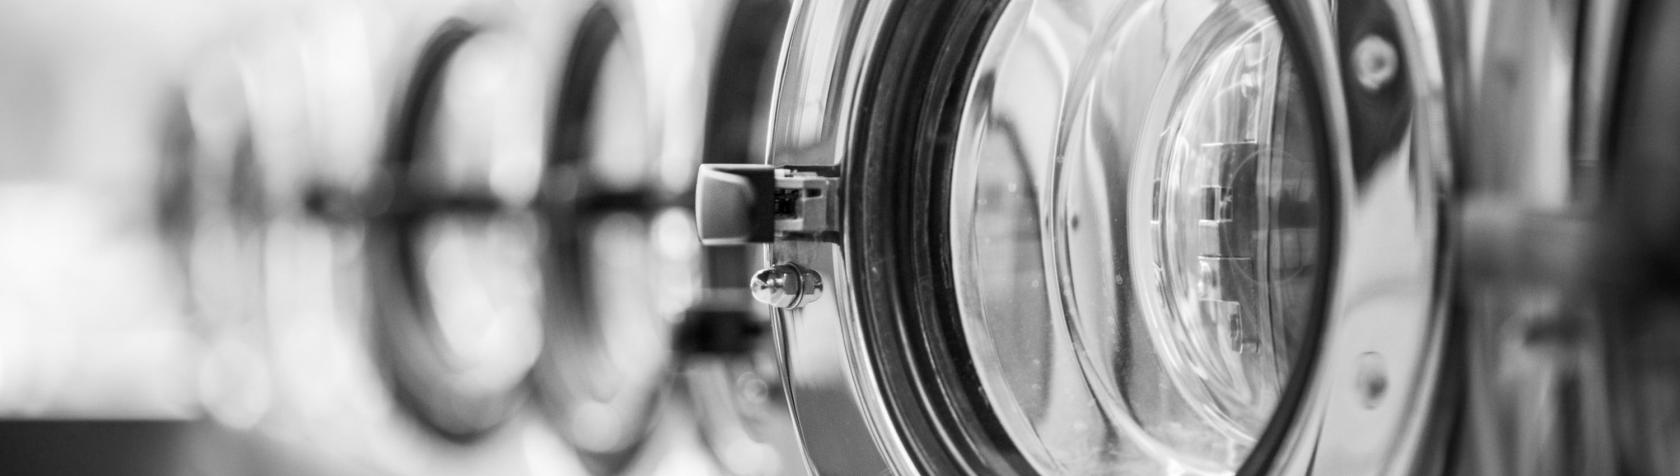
x=419 y=238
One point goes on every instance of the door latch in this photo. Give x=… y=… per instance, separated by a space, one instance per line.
x=738 y=204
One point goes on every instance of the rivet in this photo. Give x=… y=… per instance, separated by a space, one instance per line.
x=786 y=286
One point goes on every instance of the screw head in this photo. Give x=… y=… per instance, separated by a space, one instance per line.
x=1375 y=62
x=785 y=286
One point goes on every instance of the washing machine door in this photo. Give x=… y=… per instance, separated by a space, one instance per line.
x=624 y=261
x=452 y=248
x=266 y=117
x=1131 y=237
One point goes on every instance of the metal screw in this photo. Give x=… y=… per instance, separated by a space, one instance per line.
x=1375 y=62
x=786 y=286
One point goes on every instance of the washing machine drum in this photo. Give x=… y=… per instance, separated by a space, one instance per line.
x=1135 y=237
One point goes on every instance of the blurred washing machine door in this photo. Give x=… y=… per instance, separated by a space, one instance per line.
x=623 y=262
x=253 y=111
x=215 y=218
x=454 y=251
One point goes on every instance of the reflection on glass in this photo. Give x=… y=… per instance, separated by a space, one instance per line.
x=1020 y=349
x=1136 y=231
x=1232 y=238
x=1212 y=222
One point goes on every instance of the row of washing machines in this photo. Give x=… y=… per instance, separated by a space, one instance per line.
x=1143 y=237
x=484 y=211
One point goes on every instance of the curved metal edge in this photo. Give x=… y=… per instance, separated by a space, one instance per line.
x=1375 y=403
x=843 y=424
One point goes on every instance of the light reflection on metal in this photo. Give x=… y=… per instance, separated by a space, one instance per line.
x=786 y=286
x=820 y=64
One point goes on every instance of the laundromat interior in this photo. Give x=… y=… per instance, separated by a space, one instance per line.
x=837 y=237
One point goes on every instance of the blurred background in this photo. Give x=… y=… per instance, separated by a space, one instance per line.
x=174 y=299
